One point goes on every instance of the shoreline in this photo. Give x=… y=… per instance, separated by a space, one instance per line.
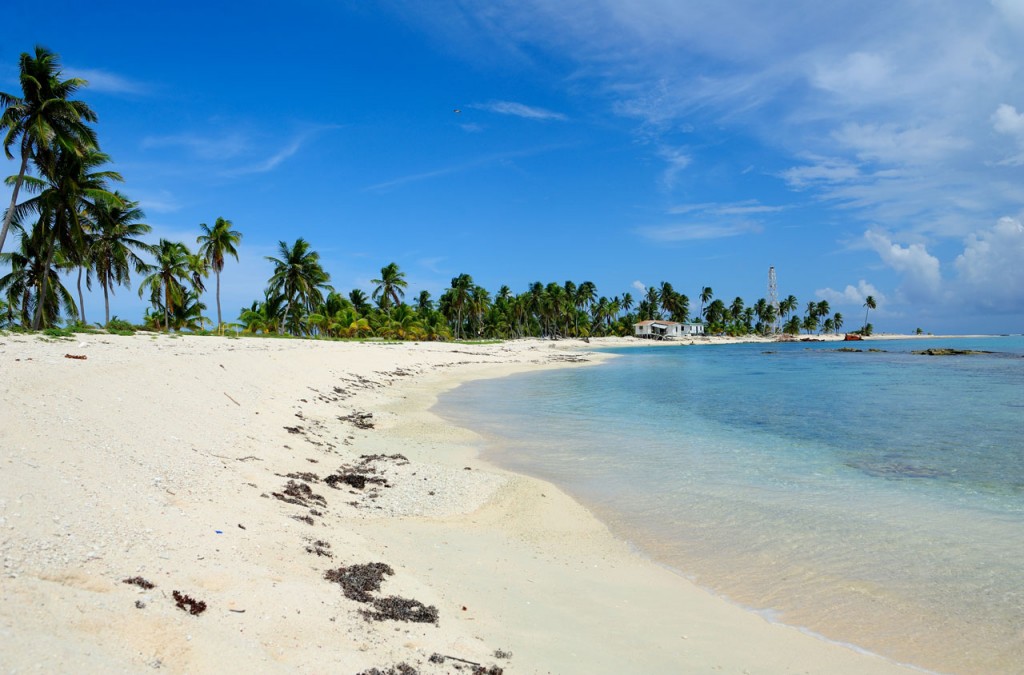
x=182 y=498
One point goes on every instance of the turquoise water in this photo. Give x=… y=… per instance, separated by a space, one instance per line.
x=876 y=498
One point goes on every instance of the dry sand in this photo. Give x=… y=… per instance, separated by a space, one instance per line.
x=159 y=457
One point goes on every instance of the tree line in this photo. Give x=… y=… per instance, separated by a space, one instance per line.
x=73 y=223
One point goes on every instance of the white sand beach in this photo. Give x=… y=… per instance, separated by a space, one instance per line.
x=159 y=457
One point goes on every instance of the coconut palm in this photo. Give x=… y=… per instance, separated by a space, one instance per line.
x=705 y=296
x=215 y=243
x=869 y=304
x=167 y=279
x=390 y=288
x=114 y=245
x=22 y=286
x=43 y=117
x=70 y=184
x=299 y=277
x=459 y=297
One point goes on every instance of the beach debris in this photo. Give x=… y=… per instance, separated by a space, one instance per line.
x=361 y=420
x=293 y=430
x=357 y=581
x=306 y=519
x=399 y=669
x=299 y=494
x=478 y=668
x=77 y=357
x=241 y=527
x=229 y=396
x=320 y=548
x=140 y=582
x=393 y=608
x=501 y=654
x=188 y=604
x=139 y=604
x=303 y=475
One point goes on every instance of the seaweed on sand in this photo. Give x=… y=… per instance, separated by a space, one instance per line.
x=189 y=604
x=358 y=580
x=140 y=582
x=394 y=608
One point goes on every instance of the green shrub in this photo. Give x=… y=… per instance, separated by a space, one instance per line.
x=58 y=332
x=120 y=327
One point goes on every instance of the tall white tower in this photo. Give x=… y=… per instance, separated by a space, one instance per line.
x=773 y=296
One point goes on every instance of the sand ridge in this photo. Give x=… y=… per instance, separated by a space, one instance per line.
x=160 y=457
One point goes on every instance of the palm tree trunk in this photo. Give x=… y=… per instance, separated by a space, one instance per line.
x=220 y=321
x=81 y=298
x=37 y=322
x=106 y=305
x=14 y=199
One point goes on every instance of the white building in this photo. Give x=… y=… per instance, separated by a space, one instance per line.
x=661 y=330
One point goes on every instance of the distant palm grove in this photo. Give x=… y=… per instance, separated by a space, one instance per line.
x=69 y=224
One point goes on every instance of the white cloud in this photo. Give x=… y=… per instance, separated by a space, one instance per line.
x=520 y=110
x=821 y=170
x=920 y=269
x=851 y=295
x=854 y=75
x=639 y=286
x=697 y=231
x=677 y=160
x=100 y=80
x=898 y=145
x=206 y=147
x=990 y=271
x=1006 y=120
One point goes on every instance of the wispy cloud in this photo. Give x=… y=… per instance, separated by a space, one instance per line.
x=743 y=208
x=109 y=83
x=519 y=110
x=270 y=163
x=697 y=231
x=210 y=147
x=487 y=160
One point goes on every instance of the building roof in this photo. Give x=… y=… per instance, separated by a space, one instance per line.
x=658 y=323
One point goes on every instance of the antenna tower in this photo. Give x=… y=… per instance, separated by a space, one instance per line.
x=773 y=295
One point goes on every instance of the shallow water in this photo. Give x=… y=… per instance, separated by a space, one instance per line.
x=874 y=498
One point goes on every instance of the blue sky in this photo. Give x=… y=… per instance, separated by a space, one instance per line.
x=859 y=147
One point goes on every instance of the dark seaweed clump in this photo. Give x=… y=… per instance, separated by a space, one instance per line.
x=299 y=494
x=400 y=669
x=400 y=609
x=357 y=581
x=319 y=547
x=140 y=582
x=189 y=604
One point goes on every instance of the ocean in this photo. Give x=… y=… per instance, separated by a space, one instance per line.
x=875 y=498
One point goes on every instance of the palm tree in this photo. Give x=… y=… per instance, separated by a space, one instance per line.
x=214 y=244
x=299 y=277
x=705 y=296
x=788 y=306
x=22 y=286
x=43 y=117
x=390 y=287
x=69 y=186
x=114 y=244
x=359 y=300
x=460 y=297
x=166 y=282
x=869 y=304
x=837 y=321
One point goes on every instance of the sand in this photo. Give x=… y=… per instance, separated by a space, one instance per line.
x=159 y=457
